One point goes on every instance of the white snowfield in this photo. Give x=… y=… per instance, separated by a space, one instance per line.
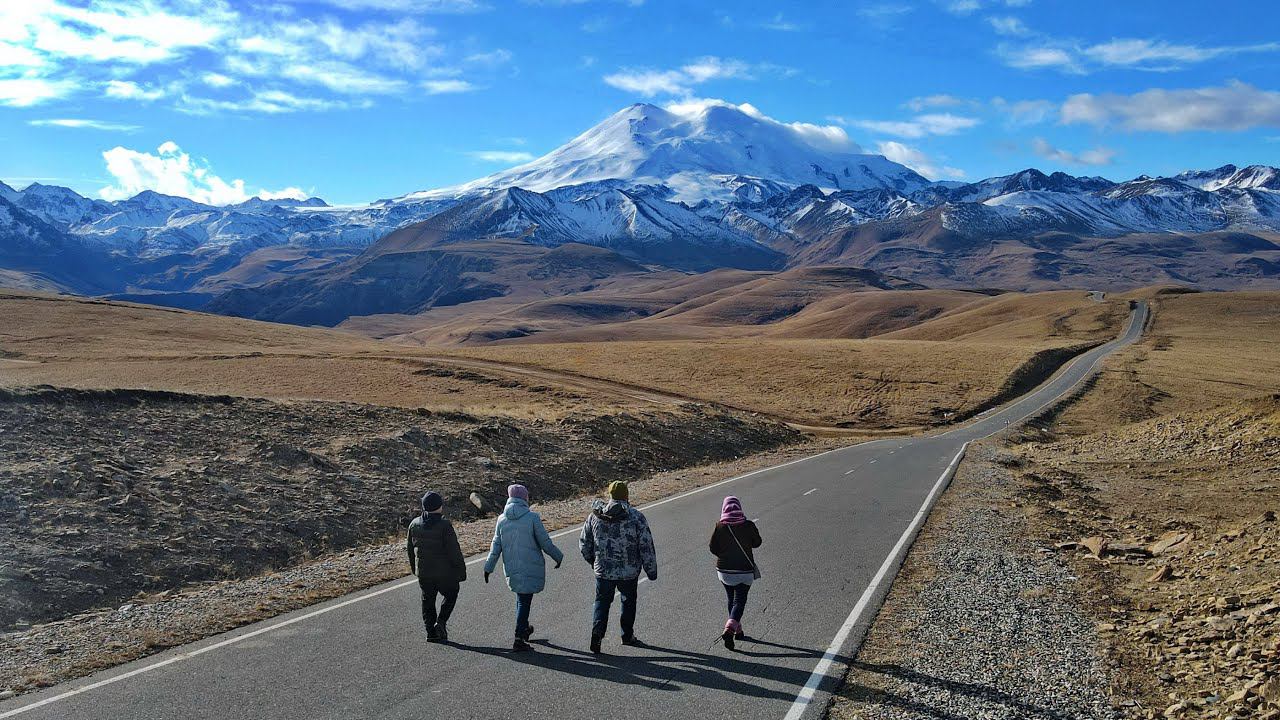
x=714 y=174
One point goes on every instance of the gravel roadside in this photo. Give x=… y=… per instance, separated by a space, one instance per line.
x=981 y=622
x=51 y=653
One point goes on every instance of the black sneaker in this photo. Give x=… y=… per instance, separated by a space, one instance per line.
x=727 y=636
x=432 y=635
x=528 y=633
x=633 y=641
x=520 y=646
x=595 y=644
x=442 y=633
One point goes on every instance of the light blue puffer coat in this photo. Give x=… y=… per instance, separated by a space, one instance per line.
x=520 y=539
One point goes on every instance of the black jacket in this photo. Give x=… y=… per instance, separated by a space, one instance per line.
x=729 y=557
x=434 y=553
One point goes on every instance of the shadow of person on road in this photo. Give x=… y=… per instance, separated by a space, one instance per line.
x=663 y=668
x=796 y=652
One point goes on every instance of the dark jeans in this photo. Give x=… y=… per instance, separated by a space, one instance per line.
x=430 y=588
x=604 y=599
x=524 y=603
x=737 y=599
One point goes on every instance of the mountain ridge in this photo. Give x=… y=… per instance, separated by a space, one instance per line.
x=709 y=186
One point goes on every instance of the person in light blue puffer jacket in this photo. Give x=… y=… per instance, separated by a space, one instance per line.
x=520 y=539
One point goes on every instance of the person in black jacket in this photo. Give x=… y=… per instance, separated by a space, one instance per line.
x=436 y=558
x=732 y=542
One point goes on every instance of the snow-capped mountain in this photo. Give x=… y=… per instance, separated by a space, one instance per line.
x=693 y=188
x=705 y=152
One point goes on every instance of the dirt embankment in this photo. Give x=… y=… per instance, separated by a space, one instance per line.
x=1171 y=524
x=106 y=494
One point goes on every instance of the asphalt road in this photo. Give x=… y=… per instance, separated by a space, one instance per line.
x=835 y=529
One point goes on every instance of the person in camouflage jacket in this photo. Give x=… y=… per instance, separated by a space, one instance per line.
x=617 y=542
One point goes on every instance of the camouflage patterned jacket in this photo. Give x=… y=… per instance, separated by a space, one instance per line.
x=617 y=542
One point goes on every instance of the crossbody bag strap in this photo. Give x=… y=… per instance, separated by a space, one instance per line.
x=745 y=554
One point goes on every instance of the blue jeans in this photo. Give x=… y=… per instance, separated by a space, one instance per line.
x=524 y=603
x=604 y=599
x=737 y=599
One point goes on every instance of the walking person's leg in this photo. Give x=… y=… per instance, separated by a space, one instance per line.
x=450 y=599
x=428 y=589
x=600 y=611
x=629 y=589
x=524 y=605
x=730 y=628
x=739 y=607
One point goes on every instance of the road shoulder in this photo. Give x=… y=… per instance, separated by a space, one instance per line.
x=979 y=622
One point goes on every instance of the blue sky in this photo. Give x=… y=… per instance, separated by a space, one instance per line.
x=355 y=100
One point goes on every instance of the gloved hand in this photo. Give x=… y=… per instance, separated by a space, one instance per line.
x=486 y=578
x=653 y=577
x=558 y=563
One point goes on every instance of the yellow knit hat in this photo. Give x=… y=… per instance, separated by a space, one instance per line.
x=618 y=490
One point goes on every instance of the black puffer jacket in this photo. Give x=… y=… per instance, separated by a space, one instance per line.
x=434 y=553
x=729 y=557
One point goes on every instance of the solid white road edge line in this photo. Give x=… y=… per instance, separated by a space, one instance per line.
x=801 y=703
x=330 y=608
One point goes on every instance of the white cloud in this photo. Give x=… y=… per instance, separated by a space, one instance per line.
x=1159 y=55
x=344 y=78
x=968 y=7
x=1235 y=106
x=270 y=102
x=492 y=58
x=648 y=83
x=444 y=87
x=509 y=157
x=917 y=127
x=781 y=24
x=419 y=6
x=917 y=160
x=289 y=193
x=941 y=100
x=84 y=123
x=828 y=137
x=1037 y=57
x=170 y=171
x=1024 y=112
x=1096 y=156
x=218 y=80
x=1130 y=53
x=28 y=91
x=270 y=52
x=884 y=15
x=129 y=90
x=1008 y=25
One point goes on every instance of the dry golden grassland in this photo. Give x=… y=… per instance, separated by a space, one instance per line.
x=824 y=382
x=82 y=343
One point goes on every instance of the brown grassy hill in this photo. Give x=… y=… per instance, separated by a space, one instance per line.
x=818 y=302
x=1069 y=315
x=85 y=343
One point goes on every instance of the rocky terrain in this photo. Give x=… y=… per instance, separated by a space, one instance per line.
x=1172 y=522
x=108 y=493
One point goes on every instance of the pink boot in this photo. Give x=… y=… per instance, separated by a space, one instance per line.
x=731 y=628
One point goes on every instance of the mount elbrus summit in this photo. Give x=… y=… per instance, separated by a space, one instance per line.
x=648 y=190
